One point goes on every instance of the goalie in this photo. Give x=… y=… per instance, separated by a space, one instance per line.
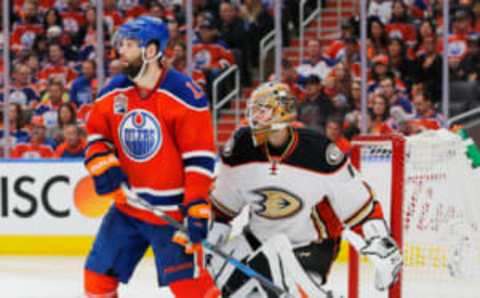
x=302 y=192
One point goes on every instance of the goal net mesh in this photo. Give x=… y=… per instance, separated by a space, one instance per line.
x=435 y=216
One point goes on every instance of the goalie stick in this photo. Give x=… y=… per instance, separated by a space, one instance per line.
x=136 y=201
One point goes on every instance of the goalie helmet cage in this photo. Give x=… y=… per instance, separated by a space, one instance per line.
x=426 y=189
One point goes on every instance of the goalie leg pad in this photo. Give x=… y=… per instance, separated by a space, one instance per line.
x=274 y=259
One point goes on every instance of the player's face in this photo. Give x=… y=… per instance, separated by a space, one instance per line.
x=38 y=132
x=333 y=131
x=71 y=135
x=130 y=56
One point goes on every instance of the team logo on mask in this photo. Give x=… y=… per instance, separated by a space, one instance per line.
x=140 y=135
x=276 y=203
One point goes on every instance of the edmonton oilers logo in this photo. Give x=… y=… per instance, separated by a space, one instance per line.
x=140 y=135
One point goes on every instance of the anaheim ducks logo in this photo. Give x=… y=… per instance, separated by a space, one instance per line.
x=276 y=203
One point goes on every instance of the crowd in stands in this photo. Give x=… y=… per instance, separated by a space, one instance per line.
x=53 y=58
x=404 y=76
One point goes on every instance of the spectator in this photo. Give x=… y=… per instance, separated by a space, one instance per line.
x=429 y=67
x=258 y=23
x=37 y=145
x=382 y=9
x=17 y=129
x=380 y=117
x=335 y=52
x=426 y=29
x=402 y=67
x=81 y=91
x=134 y=9
x=352 y=56
x=114 y=68
x=111 y=15
x=381 y=70
x=52 y=18
x=426 y=116
x=179 y=62
x=87 y=36
x=293 y=79
x=66 y=115
x=338 y=85
x=354 y=104
x=377 y=38
x=476 y=15
x=40 y=48
x=28 y=26
x=175 y=38
x=58 y=67
x=232 y=31
x=49 y=106
x=21 y=90
x=400 y=25
x=210 y=53
x=389 y=91
x=157 y=10
x=73 y=17
x=457 y=41
x=315 y=109
x=315 y=64
x=334 y=131
x=469 y=68
x=74 y=145
x=43 y=6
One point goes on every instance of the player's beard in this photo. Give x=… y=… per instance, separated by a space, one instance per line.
x=131 y=69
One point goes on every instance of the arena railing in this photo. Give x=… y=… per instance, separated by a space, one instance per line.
x=233 y=94
x=266 y=44
x=305 y=22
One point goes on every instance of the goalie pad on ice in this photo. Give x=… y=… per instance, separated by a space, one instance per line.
x=274 y=259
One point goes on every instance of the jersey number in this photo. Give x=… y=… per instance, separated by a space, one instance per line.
x=197 y=91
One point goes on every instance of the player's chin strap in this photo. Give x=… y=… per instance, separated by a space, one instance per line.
x=136 y=201
x=145 y=61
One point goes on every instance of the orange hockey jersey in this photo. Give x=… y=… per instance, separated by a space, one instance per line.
x=213 y=54
x=163 y=139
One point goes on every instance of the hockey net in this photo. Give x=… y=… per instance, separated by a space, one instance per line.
x=429 y=195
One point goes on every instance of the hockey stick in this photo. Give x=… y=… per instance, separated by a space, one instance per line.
x=136 y=201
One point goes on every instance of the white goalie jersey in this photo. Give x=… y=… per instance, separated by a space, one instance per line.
x=307 y=192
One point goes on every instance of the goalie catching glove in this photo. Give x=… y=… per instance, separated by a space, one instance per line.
x=385 y=255
x=197 y=216
x=380 y=249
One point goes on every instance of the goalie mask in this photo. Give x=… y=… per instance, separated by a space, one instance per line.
x=271 y=107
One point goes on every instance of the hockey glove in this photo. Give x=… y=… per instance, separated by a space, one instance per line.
x=107 y=176
x=197 y=216
x=385 y=255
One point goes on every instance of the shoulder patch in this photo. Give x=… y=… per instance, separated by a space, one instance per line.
x=333 y=155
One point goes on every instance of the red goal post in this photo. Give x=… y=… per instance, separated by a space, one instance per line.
x=397 y=144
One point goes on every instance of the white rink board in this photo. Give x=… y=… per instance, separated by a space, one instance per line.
x=39 y=199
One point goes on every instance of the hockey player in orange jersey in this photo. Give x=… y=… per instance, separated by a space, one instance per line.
x=150 y=129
